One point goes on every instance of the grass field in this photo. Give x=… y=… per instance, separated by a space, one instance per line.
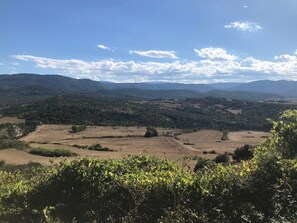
x=11 y=120
x=125 y=141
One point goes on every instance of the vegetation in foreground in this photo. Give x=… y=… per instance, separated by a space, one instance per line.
x=145 y=189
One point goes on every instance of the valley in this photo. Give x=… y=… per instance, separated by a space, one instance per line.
x=175 y=144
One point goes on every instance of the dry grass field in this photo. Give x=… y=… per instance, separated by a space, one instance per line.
x=207 y=140
x=127 y=141
x=11 y=120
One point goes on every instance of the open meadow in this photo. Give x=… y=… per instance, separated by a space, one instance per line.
x=174 y=144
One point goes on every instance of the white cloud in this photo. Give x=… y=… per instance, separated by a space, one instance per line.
x=2 y=64
x=155 y=54
x=15 y=64
x=245 y=6
x=244 y=26
x=214 y=53
x=220 y=66
x=103 y=47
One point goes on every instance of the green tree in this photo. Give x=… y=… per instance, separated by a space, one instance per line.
x=150 y=132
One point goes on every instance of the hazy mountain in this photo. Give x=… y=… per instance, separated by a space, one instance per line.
x=29 y=87
x=137 y=93
x=159 y=86
x=224 y=86
x=282 y=87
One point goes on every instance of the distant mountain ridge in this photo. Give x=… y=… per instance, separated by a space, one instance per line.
x=159 y=86
x=281 y=87
x=27 y=87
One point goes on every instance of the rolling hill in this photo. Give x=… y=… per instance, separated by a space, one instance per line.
x=20 y=88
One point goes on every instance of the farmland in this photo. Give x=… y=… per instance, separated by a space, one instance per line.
x=174 y=144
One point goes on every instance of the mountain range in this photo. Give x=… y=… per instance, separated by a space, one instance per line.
x=27 y=87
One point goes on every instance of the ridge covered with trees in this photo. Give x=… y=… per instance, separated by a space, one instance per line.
x=203 y=113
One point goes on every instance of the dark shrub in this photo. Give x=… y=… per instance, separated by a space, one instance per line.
x=222 y=158
x=151 y=132
x=201 y=163
x=2 y=163
x=78 y=128
x=98 y=147
x=243 y=153
x=52 y=152
x=12 y=143
x=225 y=135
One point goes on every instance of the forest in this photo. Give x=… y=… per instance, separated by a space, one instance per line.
x=203 y=113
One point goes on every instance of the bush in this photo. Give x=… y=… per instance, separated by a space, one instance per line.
x=96 y=147
x=151 y=132
x=6 y=143
x=52 y=152
x=225 y=135
x=243 y=153
x=222 y=158
x=78 y=128
x=2 y=163
x=202 y=163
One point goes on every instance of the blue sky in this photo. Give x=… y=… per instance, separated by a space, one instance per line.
x=189 y=41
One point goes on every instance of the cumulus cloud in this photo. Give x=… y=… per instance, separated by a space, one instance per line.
x=103 y=47
x=214 y=53
x=244 y=26
x=220 y=66
x=155 y=54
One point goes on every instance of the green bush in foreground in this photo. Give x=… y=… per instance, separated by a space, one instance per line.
x=147 y=189
x=52 y=152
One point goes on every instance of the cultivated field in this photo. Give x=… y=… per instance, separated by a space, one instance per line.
x=171 y=143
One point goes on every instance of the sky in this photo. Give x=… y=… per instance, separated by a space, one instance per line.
x=186 y=41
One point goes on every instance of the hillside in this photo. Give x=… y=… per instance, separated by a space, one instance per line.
x=52 y=82
x=202 y=113
x=20 y=88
